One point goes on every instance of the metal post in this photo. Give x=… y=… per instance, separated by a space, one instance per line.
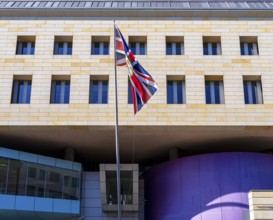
x=116 y=133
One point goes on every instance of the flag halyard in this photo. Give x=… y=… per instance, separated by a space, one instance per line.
x=143 y=85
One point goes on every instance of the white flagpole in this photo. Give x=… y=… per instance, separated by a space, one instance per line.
x=116 y=132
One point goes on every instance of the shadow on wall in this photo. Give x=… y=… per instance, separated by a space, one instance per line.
x=206 y=187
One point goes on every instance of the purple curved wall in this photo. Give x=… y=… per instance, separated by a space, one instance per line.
x=206 y=187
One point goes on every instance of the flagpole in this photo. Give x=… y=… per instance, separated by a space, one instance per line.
x=116 y=133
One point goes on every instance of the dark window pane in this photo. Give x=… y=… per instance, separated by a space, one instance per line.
x=31 y=172
x=142 y=48
x=179 y=92
x=3 y=174
x=24 y=48
x=32 y=48
x=253 y=91
x=67 y=92
x=205 y=49
x=69 y=48
x=104 y=92
x=246 y=93
x=214 y=48
x=106 y=48
x=178 y=49
x=217 y=92
x=170 y=92
x=133 y=47
x=169 y=48
x=17 y=177
x=94 y=89
x=60 y=48
x=96 y=48
x=61 y=92
x=126 y=187
x=242 y=49
x=208 y=96
x=98 y=92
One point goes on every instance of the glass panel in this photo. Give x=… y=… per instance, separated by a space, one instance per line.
x=214 y=48
x=104 y=91
x=94 y=91
x=36 y=180
x=17 y=177
x=32 y=48
x=3 y=174
x=217 y=92
x=133 y=47
x=205 y=49
x=106 y=48
x=179 y=92
x=242 y=49
x=168 y=48
x=24 y=48
x=126 y=182
x=250 y=49
x=60 y=49
x=28 y=92
x=207 y=88
x=71 y=189
x=69 y=48
x=67 y=92
x=246 y=93
x=54 y=182
x=178 y=49
x=96 y=48
x=253 y=91
x=142 y=49
x=57 y=97
x=170 y=92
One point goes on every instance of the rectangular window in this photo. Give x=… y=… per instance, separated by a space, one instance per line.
x=249 y=45
x=60 y=92
x=63 y=45
x=214 y=92
x=138 y=45
x=31 y=172
x=100 y=48
x=21 y=91
x=176 y=92
x=212 y=45
x=249 y=49
x=174 y=45
x=253 y=92
x=126 y=187
x=25 y=45
x=98 y=92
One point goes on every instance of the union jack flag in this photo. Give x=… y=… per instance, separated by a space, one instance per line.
x=142 y=84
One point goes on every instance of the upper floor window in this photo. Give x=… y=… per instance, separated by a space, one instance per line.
x=63 y=45
x=176 y=93
x=100 y=45
x=174 y=45
x=253 y=91
x=60 y=90
x=98 y=90
x=212 y=46
x=214 y=90
x=21 y=90
x=25 y=45
x=138 y=45
x=249 y=46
